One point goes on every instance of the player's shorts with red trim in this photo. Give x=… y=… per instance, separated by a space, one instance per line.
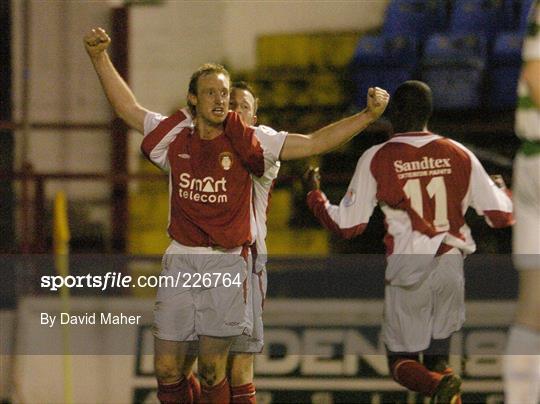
x=434 y=307
x=526 y=196
x=255 y=342
x=212 y=296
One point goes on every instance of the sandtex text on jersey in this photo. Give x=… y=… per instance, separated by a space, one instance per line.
x=206 y=190
x=427 y=166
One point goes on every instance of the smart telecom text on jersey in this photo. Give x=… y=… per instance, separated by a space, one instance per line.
x=206 y=190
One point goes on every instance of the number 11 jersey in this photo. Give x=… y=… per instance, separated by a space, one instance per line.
x=424 y=184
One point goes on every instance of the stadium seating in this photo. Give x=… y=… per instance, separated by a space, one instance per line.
x=508 y=15
x=416 y=18
x=475 y=16
x=525 y=7
x=454 y=38
x=382 y=61
x=505 y=64
x=513 y=15
x=505 y=60
x=453 y=66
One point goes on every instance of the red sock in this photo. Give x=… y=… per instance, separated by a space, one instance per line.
x=218 y=394
x=244 y=394
x=415 y=376
x=195 y=388
x=175 y=393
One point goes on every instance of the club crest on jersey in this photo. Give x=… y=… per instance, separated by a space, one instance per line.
x=226 y=160
x=349 y=197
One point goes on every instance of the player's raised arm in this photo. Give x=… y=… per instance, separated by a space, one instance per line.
x=350 y=217
x=488 y=198
x=299 y=146
x=117 y=91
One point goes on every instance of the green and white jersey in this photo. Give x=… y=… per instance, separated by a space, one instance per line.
x=528 y=113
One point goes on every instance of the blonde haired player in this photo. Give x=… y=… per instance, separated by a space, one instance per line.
x=522 y=359
x=192 y=149
x=203 y=196
x=295 y=146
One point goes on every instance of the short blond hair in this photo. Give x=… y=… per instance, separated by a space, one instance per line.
x=207 y=68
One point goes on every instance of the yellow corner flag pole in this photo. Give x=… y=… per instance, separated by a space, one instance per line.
x=61 y=238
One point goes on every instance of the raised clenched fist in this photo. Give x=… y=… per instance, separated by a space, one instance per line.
x=377 y=100
x=96 y=41
x=312 y=179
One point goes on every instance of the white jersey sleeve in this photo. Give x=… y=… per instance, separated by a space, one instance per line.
x=151 y=121
x=159 y=132
x=486 y=197
x=352 y=215
x=272 y=142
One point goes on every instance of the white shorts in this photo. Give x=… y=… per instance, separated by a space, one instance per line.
x=218 y=307
x=526 y=197
x=432 y=308
x=255 y=342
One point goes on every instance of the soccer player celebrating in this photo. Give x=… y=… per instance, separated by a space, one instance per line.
x=241 y=357
x=208 y=153
x=423 y=183
x=522 y=360
x=295 y=146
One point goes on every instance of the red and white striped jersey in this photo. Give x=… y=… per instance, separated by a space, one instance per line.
x=210 y=188
x=424 y=184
